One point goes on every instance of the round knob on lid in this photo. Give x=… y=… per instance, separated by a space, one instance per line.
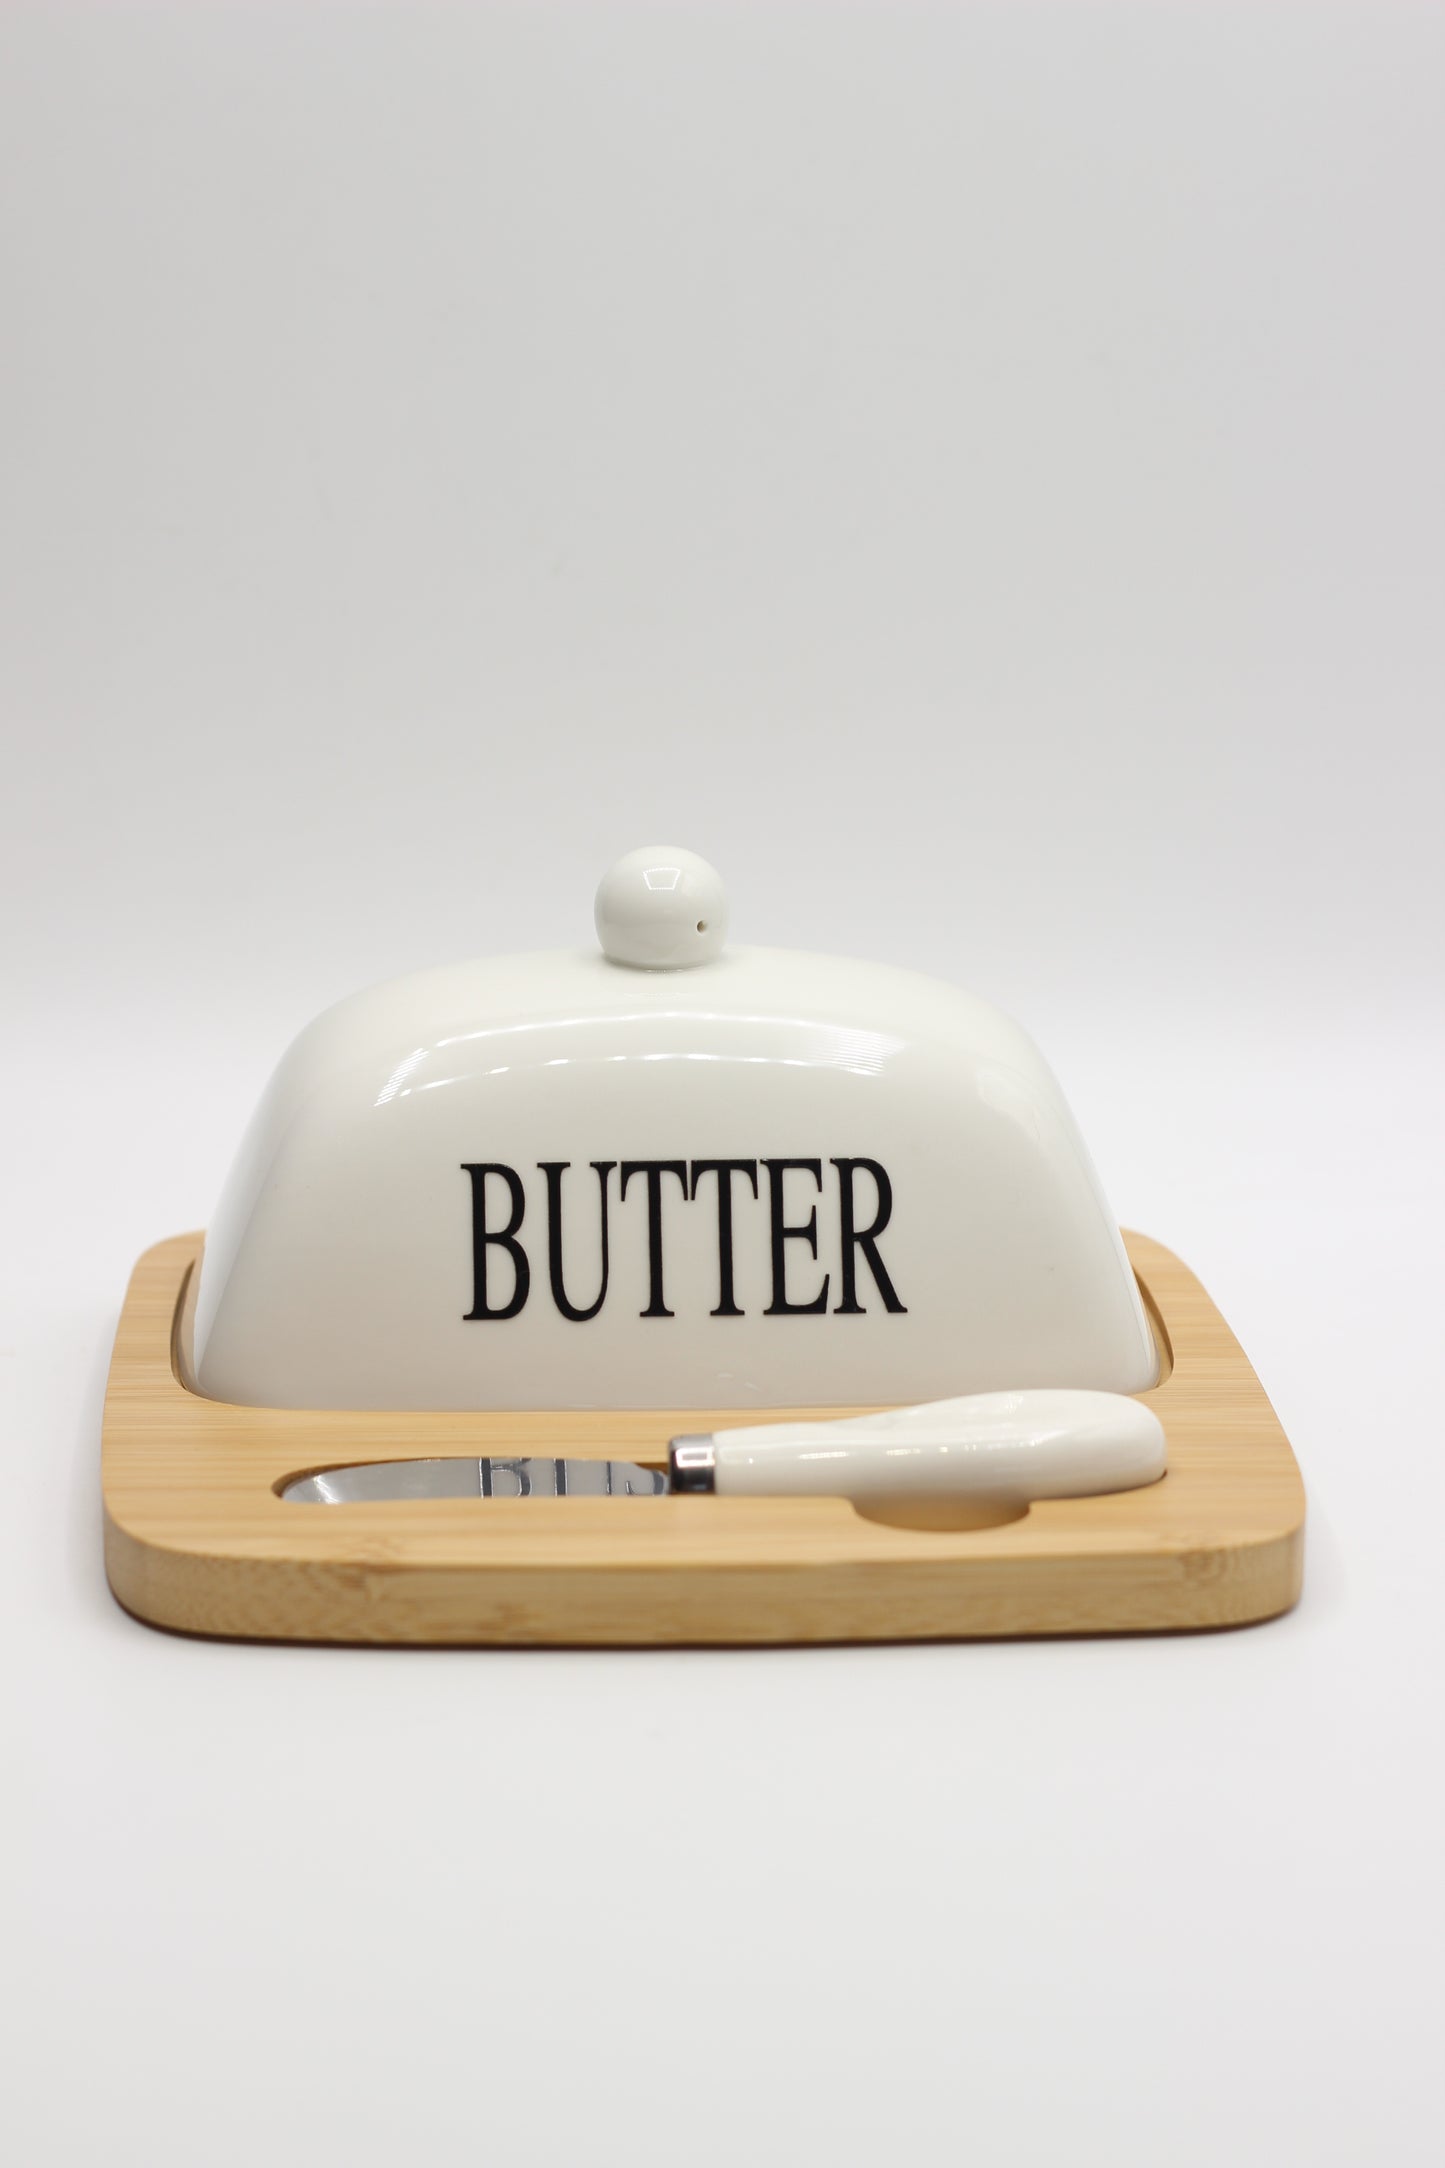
x=661 y=909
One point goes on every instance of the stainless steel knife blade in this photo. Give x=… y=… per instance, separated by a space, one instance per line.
x=489 y=1476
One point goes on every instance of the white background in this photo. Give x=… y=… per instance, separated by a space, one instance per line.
x=977 y=475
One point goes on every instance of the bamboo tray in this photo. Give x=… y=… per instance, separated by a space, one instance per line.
x=198 y=1539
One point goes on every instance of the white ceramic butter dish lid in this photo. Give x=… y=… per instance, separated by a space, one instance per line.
x=664 y=1173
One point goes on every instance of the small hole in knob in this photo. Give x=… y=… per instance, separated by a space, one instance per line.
x=702 y=925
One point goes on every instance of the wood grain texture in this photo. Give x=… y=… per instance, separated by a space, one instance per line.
x=197 y=1539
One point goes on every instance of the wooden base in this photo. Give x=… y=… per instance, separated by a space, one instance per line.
x=197 y=1537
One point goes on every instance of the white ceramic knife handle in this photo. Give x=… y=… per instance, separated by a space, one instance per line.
x=1040 y=1443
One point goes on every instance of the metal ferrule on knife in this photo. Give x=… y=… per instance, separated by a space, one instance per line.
x=692 y=1464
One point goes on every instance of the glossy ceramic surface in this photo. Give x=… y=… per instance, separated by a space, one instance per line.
x=661 y=909
x=1017 y=1446
x=767 y=1179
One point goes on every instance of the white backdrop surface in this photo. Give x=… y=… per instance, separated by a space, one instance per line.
x=978 y=475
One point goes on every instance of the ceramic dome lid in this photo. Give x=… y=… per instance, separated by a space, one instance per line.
x=666 y=1174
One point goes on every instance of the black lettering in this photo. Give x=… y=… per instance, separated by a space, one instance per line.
x=654 y=1169
x=484 y=1238
x=864 y=1238
x=725 y=1169
x=782 y=1234
x=554 y=1169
